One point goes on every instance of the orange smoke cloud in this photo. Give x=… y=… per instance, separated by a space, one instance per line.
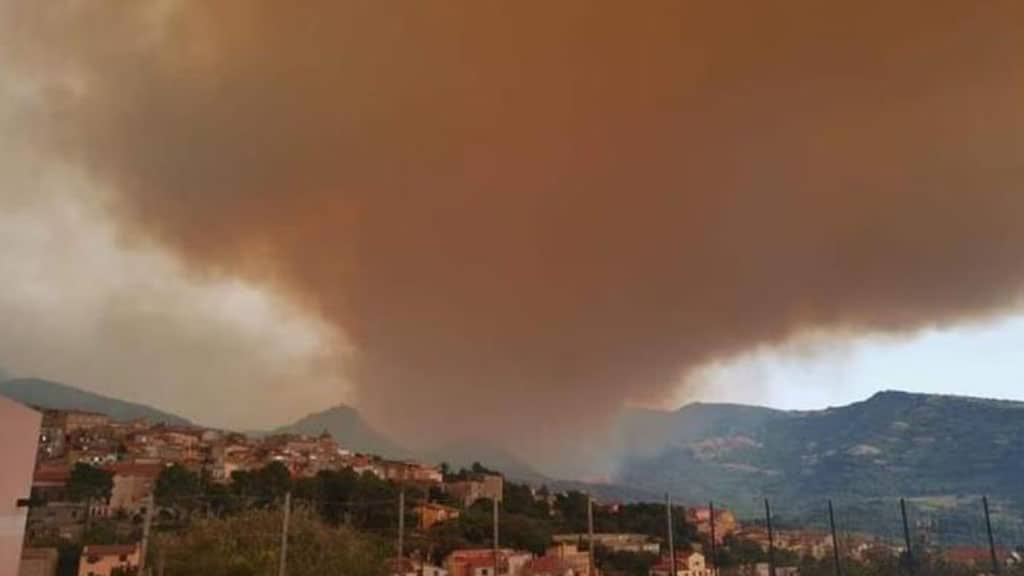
x=523 y=214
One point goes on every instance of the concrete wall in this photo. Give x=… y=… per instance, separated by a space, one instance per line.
x=19 y=429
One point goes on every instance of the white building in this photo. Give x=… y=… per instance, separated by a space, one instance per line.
x=19 y=428
x=687 y=564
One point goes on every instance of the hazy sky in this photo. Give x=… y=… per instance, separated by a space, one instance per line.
x=981 y=359
x=519 y=217
x=84 y=306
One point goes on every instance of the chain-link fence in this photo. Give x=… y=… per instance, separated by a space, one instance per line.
x=303 y=534
x=919 y=536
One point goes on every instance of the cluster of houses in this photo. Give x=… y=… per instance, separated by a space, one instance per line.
x=135 y=453
x=70 y=437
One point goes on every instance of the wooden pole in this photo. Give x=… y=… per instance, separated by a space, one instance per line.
x=771 y=538
x=909 y=555
x=401 y=528
x=282 y=568
x=835 y=540
x=494 y=510
x=590 y=532
x=714 y=545
x=991 y=538
x=671 y=543
x=146 y=527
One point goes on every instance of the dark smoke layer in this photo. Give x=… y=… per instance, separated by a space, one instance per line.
x=523 y=215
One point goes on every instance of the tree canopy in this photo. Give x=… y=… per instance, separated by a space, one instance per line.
x=89 y=483
x=248 y=544
x=178 y=488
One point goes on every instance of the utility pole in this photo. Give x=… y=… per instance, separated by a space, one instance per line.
x=282 y=569
x=991 y=538
x=714 y=549
x=590 y=532
x=494 y=511
x=147 y=524
x=401 y=528
x=909 y=556
x=671 y=543
x=835 y=540
x=771 y=538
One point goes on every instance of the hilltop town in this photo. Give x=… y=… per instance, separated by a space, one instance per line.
x=113 y=497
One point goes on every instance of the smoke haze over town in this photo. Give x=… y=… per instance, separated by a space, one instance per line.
x=498 y=221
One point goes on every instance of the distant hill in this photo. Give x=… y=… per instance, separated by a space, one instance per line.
x=349 y=428
x=57 y=396
x=942 y=451
x=647 y=432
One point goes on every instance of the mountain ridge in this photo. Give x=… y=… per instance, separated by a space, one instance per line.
x=48 y=394
x=943 y=450
x=866 y=455
x=348 y=427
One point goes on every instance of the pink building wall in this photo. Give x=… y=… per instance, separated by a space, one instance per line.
x=19 y=438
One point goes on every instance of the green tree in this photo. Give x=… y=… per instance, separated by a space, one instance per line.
x=448 y=536
x=572 y=509
x=518 y=499
x=479 y=468
x=248 y=544
x=178 y=488
x=221 y=500
x=374 y=504
x=741 y=552
x=628 y=563
x=90 y=484
x=262 y=486
x=525 y=533
x=474 y=528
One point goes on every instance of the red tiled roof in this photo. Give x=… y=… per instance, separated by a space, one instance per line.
x=136 y=469
x=463 y=554
x=113 y=550
x=486 y=562
x=52 y=473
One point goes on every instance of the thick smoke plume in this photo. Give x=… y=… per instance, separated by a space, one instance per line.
x=522 y=214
